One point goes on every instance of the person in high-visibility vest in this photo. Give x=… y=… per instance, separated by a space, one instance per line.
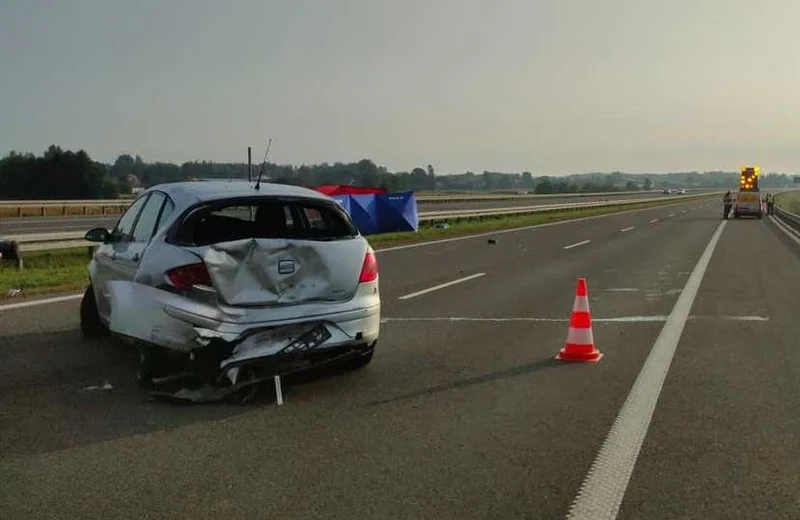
x=727 y=202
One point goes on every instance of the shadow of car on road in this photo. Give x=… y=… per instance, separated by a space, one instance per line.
x=59 y=390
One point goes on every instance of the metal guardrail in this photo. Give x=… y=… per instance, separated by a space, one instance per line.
x=68 y=239
x=787 y=217
x=43 y=208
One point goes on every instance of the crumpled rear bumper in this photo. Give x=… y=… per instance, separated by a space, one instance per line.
x=175 y=322
x=237 y=337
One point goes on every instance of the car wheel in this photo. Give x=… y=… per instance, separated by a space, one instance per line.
x=359 y=361
x=91 y=325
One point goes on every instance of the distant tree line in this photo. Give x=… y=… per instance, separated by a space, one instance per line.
x=60 y=174
x=57 y=174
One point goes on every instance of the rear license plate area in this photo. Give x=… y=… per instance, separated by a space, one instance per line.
x=307 y=341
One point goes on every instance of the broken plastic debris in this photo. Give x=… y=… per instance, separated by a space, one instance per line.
x=204 y=394
x=14 y=292
x=106 y=386
x=278 y=390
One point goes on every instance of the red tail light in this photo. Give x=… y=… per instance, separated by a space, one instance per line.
x=369 y=270
x=187 y=276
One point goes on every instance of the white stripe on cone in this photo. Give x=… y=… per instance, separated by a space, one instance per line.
x=580 y=336
x=581 y=304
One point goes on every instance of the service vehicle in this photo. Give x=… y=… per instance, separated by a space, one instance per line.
x=748 y=199
x=234 y=283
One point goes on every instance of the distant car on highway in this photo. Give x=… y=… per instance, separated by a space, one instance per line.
x=231 y=283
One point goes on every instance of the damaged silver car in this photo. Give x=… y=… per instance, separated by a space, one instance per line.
x=227 y=285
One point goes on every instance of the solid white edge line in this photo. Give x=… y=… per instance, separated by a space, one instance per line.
x=440 y=286
x=576 y=244
x=625 y=230
x=520 y=229
x=33 y=303
x=601 y=493
x=789 y=232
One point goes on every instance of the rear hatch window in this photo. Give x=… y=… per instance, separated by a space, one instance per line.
x=265 y=219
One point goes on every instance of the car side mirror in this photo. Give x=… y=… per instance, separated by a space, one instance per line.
x=99 y=234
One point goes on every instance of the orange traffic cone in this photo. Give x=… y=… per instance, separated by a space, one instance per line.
x=580 y=340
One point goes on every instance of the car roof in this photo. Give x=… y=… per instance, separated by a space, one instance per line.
x=192 y=192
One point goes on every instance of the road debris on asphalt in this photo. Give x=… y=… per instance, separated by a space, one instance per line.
x=105 y=387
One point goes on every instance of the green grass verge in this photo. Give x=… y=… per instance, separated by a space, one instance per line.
x=65 y=269
x=789 y=201
x=46 y=271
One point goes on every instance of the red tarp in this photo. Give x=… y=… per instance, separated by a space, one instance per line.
x=338 y=189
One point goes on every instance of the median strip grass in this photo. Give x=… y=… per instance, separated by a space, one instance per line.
x=66 y=269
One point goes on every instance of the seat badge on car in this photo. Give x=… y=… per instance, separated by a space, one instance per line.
x=285 y=266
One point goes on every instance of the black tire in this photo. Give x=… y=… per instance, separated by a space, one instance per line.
x=359 y=361
x=91 y=325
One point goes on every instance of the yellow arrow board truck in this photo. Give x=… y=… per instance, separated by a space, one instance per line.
x=748 y=200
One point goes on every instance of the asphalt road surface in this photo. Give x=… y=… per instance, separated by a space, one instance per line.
x=20 y=226
x=463 y=413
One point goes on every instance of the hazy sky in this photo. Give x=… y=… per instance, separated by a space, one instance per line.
x=554 y=86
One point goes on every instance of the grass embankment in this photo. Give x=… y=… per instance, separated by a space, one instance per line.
x=65 y=270
x=789 y=201
x=46 y=272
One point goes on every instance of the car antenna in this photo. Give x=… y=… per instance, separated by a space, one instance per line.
x=258 y=182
